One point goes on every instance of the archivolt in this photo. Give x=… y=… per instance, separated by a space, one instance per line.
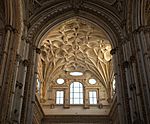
x=43 y=21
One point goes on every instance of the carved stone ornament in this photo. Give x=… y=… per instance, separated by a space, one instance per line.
x=75 y=45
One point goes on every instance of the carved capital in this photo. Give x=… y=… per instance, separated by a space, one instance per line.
x=126 y=64
x=142 y=28
x=25 y=62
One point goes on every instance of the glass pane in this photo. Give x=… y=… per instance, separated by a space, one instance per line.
x=92 y=81
x=71 y=101
x=94 y=101
x=94 y=93
x=57 y=94
x=76 y=90
x=71 y=95
x=71 y=89
x=80 y=85
x=57 y=100
x=91 y=101
x=81 y=89
x=76 y=73
x=81 y=95
x=76 y=95
x=81 y=101
x=71 y=85
x=76 y=84
x=61 y=101
x=76 y=101
x=90 y=94
x=60 y=81
x=61 y=93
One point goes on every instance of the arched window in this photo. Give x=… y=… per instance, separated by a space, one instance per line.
x=76 y=93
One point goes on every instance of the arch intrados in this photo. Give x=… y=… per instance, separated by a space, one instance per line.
x=110 y=33
x=91 y=19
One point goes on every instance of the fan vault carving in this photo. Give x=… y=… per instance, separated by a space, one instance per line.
x=75 y=45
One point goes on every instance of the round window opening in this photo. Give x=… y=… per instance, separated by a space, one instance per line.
x=92 y=81
x=60 y=81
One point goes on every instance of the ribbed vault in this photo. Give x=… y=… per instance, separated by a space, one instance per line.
x=75 y=45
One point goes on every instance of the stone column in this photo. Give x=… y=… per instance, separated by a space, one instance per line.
x=146 y=45
x=118 y=85
x=52 y=98
x=98 y=98
x=22 y=49
x=144 y=59
x=18 y=61
x=33 y=93
x=19 y=92
x=9 y=30
x=66 y=95
x=6 y=72
x=144 y=83
x=137 y=87
x=85 y=95
x=128 y=81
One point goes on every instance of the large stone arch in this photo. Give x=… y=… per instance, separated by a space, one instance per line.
x=43 y=21
x=129 y=35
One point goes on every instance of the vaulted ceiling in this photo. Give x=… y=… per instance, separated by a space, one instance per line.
x=76 y=45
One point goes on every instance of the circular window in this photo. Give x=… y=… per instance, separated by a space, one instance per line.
x=60 y=81
x=92 y=81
